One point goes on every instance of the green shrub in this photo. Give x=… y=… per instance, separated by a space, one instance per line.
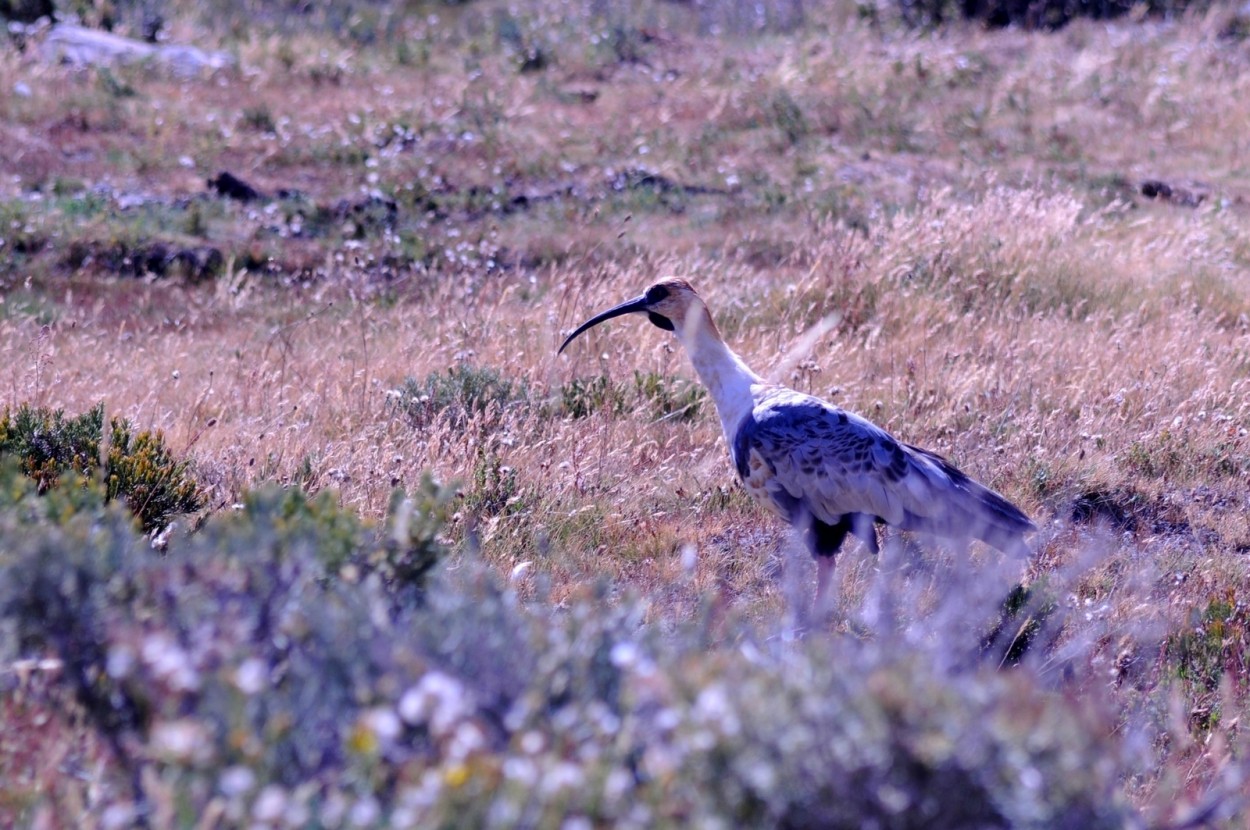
x=402 y=551
x=458 y=394
x=1023 y=617
x=788 y=116
x=530 y=51
x=67 y=559
x=291 y=518
x=1213 y=648
x=47 y=443
x=284 y=657
x=113 y=85
x=582 y=396
x=410 y=546
x=494 y=489
x=143 y=472
x=21 y=233
x=139 y=468
x=258 y=118
x=660 y=396
x=668 y=396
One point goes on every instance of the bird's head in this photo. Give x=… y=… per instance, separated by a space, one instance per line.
x=668 y=304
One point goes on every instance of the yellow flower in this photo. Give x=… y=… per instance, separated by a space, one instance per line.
x=457 y=775
x=363 y=741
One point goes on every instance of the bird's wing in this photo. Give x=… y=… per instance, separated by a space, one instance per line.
x=832 y=460
x=833 y=463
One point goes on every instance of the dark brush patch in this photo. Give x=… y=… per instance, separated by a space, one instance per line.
x=1104 y=506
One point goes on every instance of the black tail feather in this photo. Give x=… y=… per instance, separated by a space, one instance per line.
x=976 y=512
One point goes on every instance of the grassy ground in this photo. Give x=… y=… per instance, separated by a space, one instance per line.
x=943 y=231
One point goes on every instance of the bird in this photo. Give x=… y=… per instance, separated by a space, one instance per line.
x=826 y=471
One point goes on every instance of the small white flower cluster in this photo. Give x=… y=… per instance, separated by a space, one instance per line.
x=713 y=709
x=170 y=663
x=438 y=701
x=181 y=740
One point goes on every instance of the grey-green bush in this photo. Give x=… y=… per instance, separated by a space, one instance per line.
x=277 y=659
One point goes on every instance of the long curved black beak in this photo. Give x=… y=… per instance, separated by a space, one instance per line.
x=638 y=304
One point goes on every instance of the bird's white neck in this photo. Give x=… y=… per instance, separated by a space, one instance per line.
x=726 y=376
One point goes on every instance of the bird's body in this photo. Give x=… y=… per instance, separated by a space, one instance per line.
x=826 y=471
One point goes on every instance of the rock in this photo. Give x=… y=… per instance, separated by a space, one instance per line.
x=26 y=11
x=80 y=46
x=1164 y=192
x=232 y=187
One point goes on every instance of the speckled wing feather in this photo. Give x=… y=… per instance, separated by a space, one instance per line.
x=798 y=453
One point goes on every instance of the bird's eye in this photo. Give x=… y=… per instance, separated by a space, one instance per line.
x=656 y=293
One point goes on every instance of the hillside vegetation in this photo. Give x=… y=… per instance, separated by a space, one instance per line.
x=357 y=549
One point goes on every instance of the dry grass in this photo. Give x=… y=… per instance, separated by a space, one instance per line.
x=958 y=213
x=1043 y=385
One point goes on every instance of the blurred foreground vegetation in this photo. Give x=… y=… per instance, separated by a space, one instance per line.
x=1003 y=248
x=289 y=664
x=267 y=668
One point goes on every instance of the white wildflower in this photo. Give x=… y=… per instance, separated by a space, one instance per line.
x=383 y=723
x=121 y=661
x=439 y=700
x=179 y=740
x=270 y=804
x=561 y=776
x=236 y=781
x=251 y=676
x=170 y=662
x=364 y=813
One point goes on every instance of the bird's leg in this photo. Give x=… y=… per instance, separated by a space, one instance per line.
x=864 y=526
x=824 y=540
x=824 y=578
